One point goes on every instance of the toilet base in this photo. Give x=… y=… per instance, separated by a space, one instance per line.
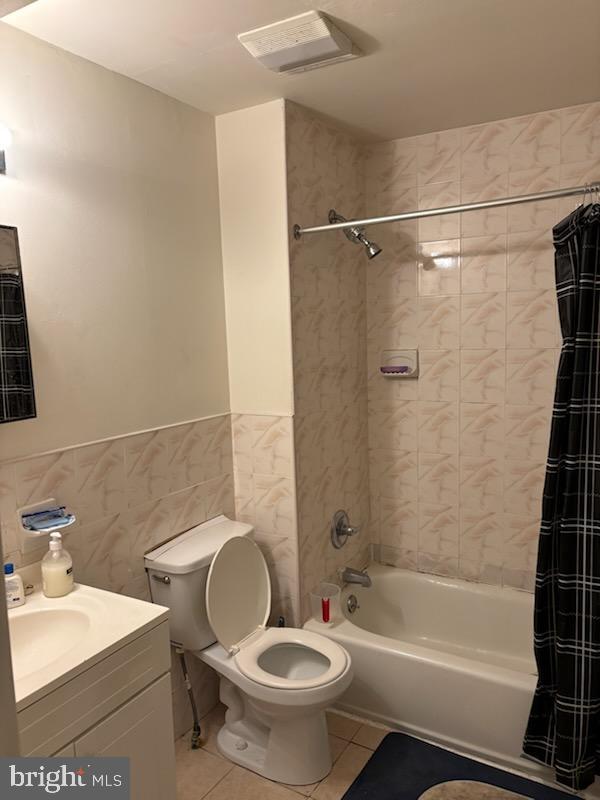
x=287 y=745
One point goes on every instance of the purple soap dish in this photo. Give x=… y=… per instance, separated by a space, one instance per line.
x=399 y=364
x=403 y=370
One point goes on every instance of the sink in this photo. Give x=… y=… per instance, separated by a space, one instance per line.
x=52 y=639
x=40 y=637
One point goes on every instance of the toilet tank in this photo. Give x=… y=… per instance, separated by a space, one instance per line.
x=177 y=572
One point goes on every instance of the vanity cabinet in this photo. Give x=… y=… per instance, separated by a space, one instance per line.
x=142 y=730
x=119 y=706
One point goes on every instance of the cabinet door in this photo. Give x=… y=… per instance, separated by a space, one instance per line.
x=142 y=729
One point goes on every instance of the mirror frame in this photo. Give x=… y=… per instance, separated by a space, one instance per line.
x=33 y=415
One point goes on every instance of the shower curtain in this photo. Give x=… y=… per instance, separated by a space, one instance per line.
x=564 y=724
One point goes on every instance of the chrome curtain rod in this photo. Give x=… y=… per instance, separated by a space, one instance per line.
x=591 y=189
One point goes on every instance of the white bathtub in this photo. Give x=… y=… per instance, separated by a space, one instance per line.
x=445 y=659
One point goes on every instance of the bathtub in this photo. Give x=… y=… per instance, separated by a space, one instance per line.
x=444 y=659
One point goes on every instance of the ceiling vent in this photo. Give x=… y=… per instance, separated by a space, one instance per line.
x=307 y=41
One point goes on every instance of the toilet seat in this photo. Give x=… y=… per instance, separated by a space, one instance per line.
x=238 y=603
x=305 y=659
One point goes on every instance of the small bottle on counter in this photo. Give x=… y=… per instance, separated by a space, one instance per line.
x=15 y=591
x=57 y=569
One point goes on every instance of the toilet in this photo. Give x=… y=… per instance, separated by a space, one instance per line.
x=275 y=682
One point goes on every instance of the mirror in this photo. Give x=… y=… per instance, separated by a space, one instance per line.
x=17 y=400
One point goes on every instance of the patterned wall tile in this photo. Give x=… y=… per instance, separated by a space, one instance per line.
x=530 y=376
x=438 y=427
x=536 y=141
x=129 y=494
x=530 y=261
x=438 y=195
x=439 y=267
x=533 y=216
x=483 y=264
x=481 y=483
x=399 y=524
x=265 y=497
x=580 y=133
x=485 y=150
x=481 y=538
x=394 y=429
x=488 y=337
x=532 y=319
x=528 y=431
x=487 y=221
x=438 y=157
x=438 y=530
x=483 y=320
x=438 y=375
x=482 y=375
x=438 y=479
x=523 y=485
x=42 y=477
x=482 y=430
x=147 y=467
x=100 y=477
x=438 y=323
x=332 y=443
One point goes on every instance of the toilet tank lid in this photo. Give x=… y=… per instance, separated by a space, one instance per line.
x=195 y=548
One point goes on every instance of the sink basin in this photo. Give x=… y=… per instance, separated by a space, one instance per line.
x=52 y=639
x=39 y=638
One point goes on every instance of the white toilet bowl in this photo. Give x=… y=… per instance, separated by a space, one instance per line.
x=275 y=682
x=276 y=691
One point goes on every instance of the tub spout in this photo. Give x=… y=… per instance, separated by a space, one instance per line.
x=355 y=576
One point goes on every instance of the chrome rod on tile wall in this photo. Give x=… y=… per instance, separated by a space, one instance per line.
x=591 y=189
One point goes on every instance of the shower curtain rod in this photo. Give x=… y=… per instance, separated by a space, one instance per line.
x=592 y=189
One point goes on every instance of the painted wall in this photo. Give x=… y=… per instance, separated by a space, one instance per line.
x=113 y=187
x=458 y=456
x=325 y=170
x=253 y=195
x=252 y=186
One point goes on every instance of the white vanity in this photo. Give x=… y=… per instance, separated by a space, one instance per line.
x=92 y=678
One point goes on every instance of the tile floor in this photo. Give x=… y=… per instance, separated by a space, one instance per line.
x=205 y=775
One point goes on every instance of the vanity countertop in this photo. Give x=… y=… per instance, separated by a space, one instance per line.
x=55 y=639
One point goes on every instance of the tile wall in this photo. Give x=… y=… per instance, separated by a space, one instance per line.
x=129 y=495
x=457 y=457
x=325 y=170
x=265 y=496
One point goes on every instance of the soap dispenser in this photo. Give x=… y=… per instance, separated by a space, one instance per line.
x=57 y=569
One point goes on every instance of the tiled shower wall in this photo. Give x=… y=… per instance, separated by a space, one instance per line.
x=129 y=494
x=325 y=170
x=457 y=457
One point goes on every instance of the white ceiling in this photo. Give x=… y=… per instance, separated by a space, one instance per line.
x=428 y=64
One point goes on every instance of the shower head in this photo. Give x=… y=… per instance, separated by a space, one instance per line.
x=356 y=234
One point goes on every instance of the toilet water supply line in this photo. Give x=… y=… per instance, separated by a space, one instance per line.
x=196 y=732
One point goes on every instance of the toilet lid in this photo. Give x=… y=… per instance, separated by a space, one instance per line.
x=238 y=592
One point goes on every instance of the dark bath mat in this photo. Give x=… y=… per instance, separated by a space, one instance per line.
x=405 y=768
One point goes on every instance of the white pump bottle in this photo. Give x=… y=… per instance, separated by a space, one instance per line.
x=57 y=569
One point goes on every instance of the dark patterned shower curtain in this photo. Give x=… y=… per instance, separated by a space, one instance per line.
x=564 y=724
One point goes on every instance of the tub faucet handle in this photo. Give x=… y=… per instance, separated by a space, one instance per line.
x=351 y=530
x=341 y=529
